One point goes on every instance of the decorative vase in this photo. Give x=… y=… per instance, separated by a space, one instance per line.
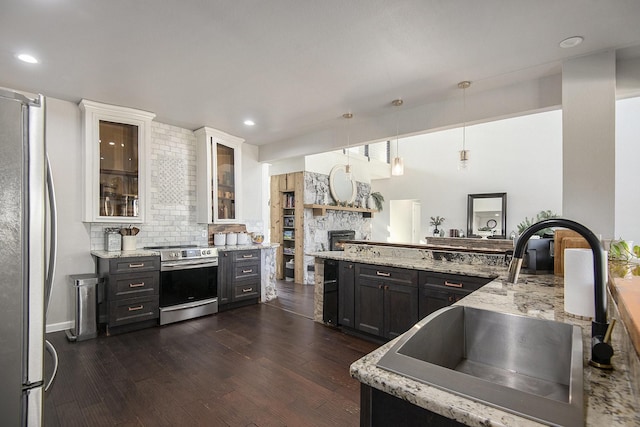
x=436 y=232
x=371 y=203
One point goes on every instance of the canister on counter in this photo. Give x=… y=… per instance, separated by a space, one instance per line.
x=112 y=239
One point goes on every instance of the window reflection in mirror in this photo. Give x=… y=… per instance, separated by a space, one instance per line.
x=487 y=215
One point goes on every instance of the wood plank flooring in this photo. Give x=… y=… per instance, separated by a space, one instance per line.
x=294 y=298
x=254 y=366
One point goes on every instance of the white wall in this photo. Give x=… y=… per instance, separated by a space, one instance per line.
x=64 y=146
x=588 y=141
x=627 y=220
x=521 y=156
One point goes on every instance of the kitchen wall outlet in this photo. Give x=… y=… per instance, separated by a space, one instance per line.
x=204 y=233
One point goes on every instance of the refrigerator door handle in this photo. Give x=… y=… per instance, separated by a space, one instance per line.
x=53 y=237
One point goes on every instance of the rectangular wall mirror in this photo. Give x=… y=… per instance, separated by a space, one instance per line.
x=487 y=215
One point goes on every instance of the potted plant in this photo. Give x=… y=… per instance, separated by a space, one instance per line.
x=624 y=258
x=542 y=215
x=436 y=221
x=377 y=200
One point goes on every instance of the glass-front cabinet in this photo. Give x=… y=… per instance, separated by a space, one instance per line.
x=219 y=158
x=116 y=143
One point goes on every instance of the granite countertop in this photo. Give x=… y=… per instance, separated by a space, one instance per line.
x=146 y=252
x=609 y=396
x=125 y=254
x=425 y=261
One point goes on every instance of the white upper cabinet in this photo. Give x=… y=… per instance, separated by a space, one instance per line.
x=219 y=159
x=115 y=162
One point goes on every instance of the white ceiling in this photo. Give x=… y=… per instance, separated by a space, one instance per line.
x=293 y=66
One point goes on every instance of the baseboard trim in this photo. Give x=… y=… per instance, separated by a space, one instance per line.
x=62 y=326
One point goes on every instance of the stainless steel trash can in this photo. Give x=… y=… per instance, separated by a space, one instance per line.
x=85 y=307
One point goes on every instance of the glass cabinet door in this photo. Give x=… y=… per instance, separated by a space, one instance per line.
x=218 y=161
x=225 y=159
x=118 y=169
x=116 y=144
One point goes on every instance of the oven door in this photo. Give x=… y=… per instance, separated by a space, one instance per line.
x=186 y=282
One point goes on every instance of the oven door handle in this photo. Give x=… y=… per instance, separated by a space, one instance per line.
x=187 y=266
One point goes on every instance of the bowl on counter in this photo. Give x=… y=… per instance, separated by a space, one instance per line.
x=257 y=238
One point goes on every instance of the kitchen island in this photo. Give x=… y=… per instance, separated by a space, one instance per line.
x=610 y=396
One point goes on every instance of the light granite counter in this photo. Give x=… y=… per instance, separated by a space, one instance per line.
x=125 y=254
x=611 y=397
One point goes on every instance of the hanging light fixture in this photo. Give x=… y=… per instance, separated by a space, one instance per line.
x=463 y=163
x=397 y=165
x=347 y=168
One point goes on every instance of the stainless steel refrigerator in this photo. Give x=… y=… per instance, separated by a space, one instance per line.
x=27 y=257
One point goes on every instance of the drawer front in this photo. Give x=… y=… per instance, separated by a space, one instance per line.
x=245 y=256
x=134 y=264
x=131 y=310
x=246 y=290
x=400 y=276
x=133 y=285
x=242 y=271
x=453 y=281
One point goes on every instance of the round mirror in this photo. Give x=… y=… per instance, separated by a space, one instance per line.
x=342 y=186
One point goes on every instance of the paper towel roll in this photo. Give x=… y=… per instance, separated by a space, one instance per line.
x=578 y=282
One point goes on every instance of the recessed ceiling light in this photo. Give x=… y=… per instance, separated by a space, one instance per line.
x=249 y=122
x=25 y=57
x=571 y=42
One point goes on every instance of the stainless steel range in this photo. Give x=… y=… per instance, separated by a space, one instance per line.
x=188 y=282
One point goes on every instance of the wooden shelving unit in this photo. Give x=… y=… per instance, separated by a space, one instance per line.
x=287 y=222
x=321 y=210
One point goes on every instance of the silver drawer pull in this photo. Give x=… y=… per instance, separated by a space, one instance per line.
x=453 y=285
x=136 y=285
x=383 y=274
x=244 y=291
x=136 y=265
x=247 y=256
x=247 y=271
x=140 y=307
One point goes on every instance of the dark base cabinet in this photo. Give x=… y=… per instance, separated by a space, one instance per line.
x=381 y=303
x=239 y=278
x=131 y=293
x=378 y=408
x=439 y=290
x=386 y=300
x=346 y=293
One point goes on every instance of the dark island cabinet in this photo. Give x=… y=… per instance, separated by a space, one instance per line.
x=438 y=290
x=346 y=293
x=386 y=300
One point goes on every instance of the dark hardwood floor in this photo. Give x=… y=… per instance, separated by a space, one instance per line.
x=294 y=298
x=254 y=366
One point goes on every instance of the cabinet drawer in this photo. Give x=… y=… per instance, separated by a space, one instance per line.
x=242 y=256
x=134 y=264
x=130 y=310
x=246 y=271
x=400 y=276
x=133 y=285
x=453 y=281
x=246 y=290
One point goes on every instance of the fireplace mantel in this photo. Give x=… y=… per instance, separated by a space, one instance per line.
x=321 y=210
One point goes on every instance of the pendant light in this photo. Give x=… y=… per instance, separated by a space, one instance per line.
x=347 y=168
x=463 y=163
x=397 y=165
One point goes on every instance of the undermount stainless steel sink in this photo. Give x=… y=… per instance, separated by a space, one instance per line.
x=531 y=367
